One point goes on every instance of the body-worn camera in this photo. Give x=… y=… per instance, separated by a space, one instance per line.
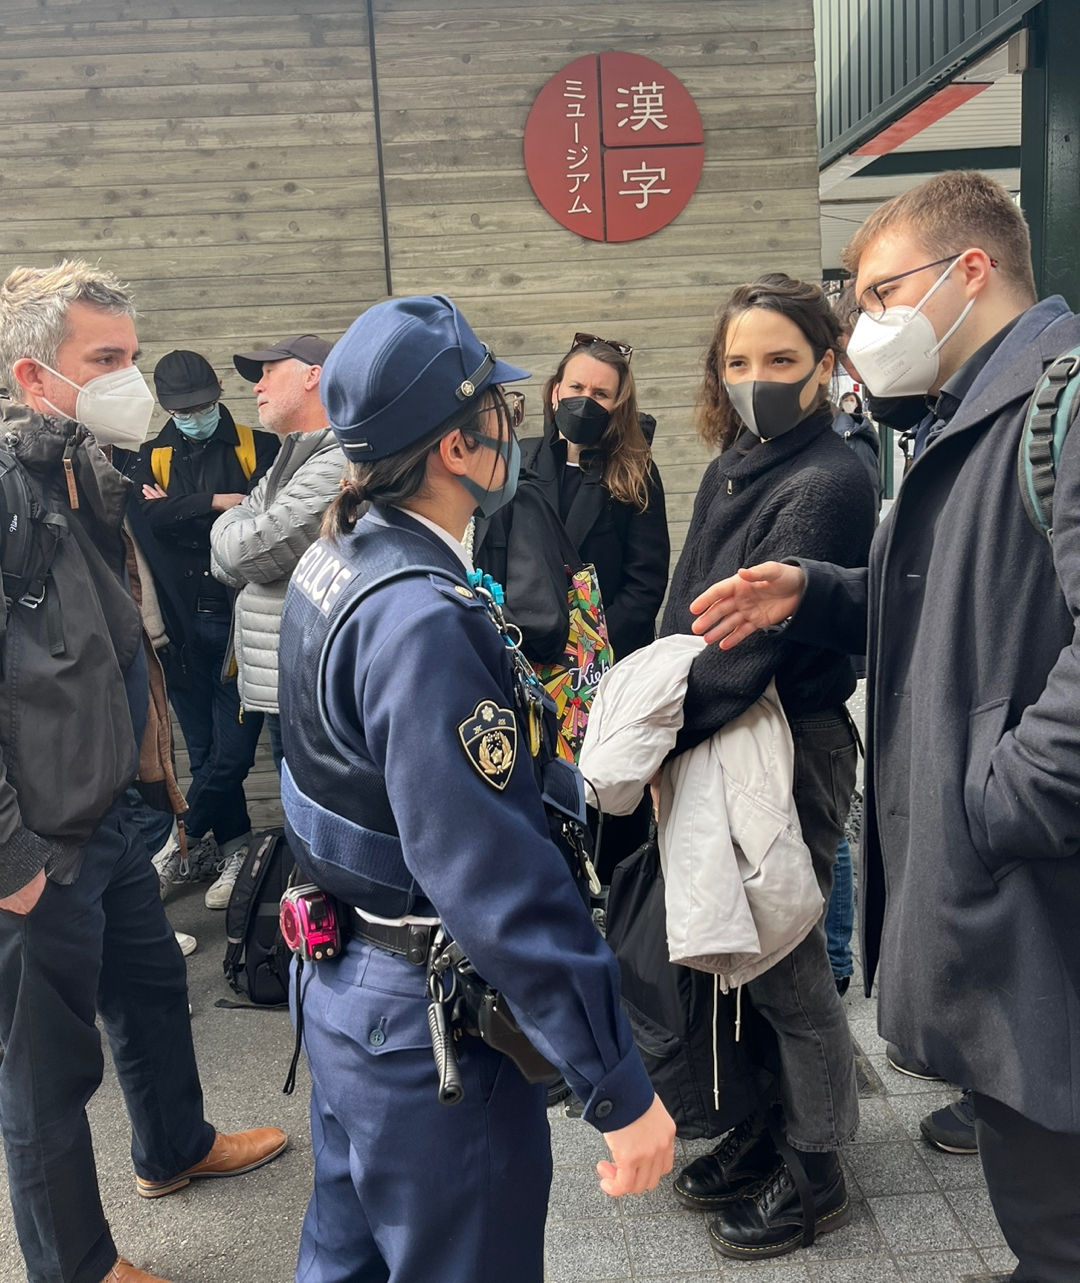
x=309 y=925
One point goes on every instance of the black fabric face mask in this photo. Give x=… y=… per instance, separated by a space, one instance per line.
x=769 y=409
x=581 y=419
x=901 y=413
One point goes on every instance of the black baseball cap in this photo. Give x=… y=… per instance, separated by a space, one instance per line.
x=183 y=379
x=308 y=348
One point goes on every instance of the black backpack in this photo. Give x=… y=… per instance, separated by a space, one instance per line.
x=256 y=957
x=1050 y=413
x=29 y=535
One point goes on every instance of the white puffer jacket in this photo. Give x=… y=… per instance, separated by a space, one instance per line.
x=739 y=880
x=256 y=545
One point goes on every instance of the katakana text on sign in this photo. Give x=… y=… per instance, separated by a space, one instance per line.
x=614 y=147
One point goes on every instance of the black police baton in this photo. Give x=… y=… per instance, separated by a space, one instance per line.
x=451 y=1088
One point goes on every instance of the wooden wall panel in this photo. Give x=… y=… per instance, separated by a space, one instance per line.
x=456 y=83
x=220 y=156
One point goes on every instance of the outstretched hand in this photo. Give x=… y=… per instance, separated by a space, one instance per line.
x=643 y=1152
x=732 y=609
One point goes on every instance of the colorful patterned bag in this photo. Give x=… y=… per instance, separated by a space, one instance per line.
x=573 y=683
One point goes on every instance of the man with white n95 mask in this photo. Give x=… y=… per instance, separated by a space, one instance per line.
x=82 y=929
x=967 y=614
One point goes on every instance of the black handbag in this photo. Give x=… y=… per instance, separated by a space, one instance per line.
x=708 y=1084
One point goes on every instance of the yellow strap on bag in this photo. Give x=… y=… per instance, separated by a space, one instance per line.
x=161 y=456
x=160 y=463
x=245 y=449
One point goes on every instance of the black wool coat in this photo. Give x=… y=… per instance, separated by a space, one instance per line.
x=181 y=523
x=970 y=887
x=631 y=550
x=804 y=490
x=525 y=548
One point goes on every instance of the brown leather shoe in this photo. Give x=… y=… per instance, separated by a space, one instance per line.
x=229 y=1156
x=124 y=1272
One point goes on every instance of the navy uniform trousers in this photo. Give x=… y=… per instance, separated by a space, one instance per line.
x=394 y=1168
x=101 y=944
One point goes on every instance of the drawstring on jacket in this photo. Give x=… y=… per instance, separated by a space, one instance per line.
x=715 y=1033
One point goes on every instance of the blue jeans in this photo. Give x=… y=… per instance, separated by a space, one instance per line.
x=273 y=729
x=221 y=747
x=840 y=917
x=155 y=826
x=101 y=945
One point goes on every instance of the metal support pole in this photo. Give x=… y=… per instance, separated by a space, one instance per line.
x=1050 y=149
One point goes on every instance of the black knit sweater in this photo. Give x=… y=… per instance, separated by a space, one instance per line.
x=804 y=494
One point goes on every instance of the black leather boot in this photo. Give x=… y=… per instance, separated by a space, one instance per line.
x=771 y=1221
x=738 y=1165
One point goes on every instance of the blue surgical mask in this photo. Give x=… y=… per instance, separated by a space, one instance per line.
x=198 y=425
x=489 y=501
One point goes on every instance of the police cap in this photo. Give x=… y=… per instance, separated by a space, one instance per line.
x=402 y=368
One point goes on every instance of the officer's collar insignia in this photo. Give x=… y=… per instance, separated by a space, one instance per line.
x=489 y=737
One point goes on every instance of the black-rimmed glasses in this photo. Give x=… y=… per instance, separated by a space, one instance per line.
x=583 y=340
x=870 y=300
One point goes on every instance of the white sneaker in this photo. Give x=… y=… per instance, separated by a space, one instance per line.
x=217 y=896
x=187 y=943
x=167 y=863
x=172 y=869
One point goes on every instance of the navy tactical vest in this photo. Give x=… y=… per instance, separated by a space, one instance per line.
x=337 y=813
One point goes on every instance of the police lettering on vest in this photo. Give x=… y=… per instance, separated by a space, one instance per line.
x=321 y=576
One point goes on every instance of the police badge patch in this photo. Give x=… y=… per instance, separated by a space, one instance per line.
x=489 y=737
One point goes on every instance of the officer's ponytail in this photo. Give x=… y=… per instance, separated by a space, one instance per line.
x=397 y=477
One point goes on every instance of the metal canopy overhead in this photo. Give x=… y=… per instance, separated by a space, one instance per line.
x=877 y=59
x=972 y=121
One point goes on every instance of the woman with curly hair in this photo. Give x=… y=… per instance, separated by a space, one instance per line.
x=783 y=485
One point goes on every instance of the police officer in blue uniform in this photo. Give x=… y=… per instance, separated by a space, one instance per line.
x=411 y=793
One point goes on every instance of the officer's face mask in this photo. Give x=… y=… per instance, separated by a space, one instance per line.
x=116 y=407
x=581 y=420
x=490 y=499
x=198 y=425
x=896 y=353
x=768 y=408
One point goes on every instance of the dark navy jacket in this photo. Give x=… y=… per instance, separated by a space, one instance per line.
x=409 y=674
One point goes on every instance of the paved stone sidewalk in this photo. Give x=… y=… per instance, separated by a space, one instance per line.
x=920 y=1216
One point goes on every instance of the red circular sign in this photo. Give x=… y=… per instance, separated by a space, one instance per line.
x=614 y=147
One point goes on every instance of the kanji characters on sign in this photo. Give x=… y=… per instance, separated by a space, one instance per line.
x=614 y=147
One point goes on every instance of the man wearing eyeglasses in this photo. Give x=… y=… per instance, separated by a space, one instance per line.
x=971 y=838
x=201 y=464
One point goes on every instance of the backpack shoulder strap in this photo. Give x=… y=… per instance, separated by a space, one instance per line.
x=244 y=902
x=16 y=525
x=161 y=464
x=1049 y=416
x=245 y=448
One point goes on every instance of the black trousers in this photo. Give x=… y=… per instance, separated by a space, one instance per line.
x=101 y=945
x=1033 y=1177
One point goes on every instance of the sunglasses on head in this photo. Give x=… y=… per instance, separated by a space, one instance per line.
x=584 y=340
x=515 y=406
